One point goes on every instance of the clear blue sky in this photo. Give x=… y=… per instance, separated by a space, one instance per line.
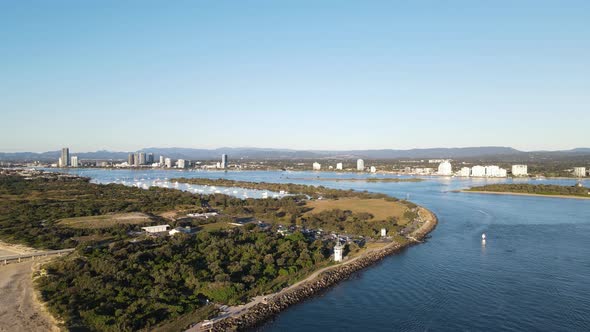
x=122 y=75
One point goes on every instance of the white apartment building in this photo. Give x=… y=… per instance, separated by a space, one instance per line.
x=492 y=171
x=445 y=168
x=520 y=170
x=373 y=169
x=74 y=161
x=181 y=163
x=465 y=172
x=360 y=165
x=168 y=162
x=580 y=172
x=478 y=171
x=317 y=166
x=339 y=166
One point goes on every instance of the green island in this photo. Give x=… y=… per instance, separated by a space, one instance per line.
x=549 y=190
x=122 y=279
x=312 y=191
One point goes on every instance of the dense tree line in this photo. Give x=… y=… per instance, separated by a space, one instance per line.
x=30 y=209
x=128 y=286
x=540 y=189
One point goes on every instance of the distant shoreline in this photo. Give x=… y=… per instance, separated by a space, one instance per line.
x=522 y=194
x=413 y=179
x=379 y=172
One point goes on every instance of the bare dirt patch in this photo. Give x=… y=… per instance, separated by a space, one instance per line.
x=9 y=249
x=379 y=208
x=19 y=308
x=106 y=220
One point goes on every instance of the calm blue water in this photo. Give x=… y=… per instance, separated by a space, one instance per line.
x=532 y=274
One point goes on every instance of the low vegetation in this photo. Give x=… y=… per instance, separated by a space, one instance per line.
x=379 y=209
x=541 y=189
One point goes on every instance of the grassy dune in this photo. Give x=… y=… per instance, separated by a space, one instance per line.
x=379 y=208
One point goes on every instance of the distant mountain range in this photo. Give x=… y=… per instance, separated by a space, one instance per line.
x=274 y=154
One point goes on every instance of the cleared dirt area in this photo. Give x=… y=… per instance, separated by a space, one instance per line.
x=7 y=249
x=379 y=208
x=105 y=221
x=19 y=308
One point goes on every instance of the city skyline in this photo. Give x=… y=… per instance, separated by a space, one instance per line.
x=305 y=75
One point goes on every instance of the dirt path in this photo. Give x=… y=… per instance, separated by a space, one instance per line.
x=19 y=308
x=7 y=249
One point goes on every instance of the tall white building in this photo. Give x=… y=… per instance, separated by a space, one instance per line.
x=142 y=158
x=339 y=166
x=465 y=172
x=338 y=251
x=181 y=163
x=478 y=171
x=492 y=171
x=168 y=162
x=445 y=168
x=161 y=160
x=520 y=170
x=580 y=172
x=316 y=166
x=360 y=165
x=74 y=161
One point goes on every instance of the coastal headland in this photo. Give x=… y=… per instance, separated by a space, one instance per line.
x=253 y=256
x=259 y=310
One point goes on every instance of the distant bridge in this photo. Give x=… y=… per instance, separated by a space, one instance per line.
x=4 y=260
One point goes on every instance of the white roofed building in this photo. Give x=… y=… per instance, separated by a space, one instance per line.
x=465 y=172
x=520 y=170
x=360 y=165
x=579 y=172
x=478 y=171
x=445 y=168
x=156 y=229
